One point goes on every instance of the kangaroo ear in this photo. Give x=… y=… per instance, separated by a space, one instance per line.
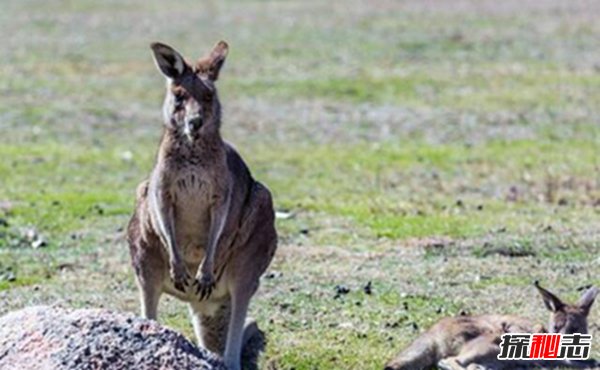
x=217 y=59
x=169 y=62
x=552 y=302
x=587 y=299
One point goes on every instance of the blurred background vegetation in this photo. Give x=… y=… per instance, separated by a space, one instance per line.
x=447 y=152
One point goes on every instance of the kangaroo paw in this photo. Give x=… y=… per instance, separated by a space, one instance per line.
x=204 y=286
x=179 y=276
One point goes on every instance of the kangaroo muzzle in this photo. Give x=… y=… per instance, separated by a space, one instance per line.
x=192 y=123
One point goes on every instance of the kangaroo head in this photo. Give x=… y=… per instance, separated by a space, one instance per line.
x=568 y=318
x=191 y=104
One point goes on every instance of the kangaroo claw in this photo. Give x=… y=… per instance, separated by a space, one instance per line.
x=204 y=286
x=180 y=277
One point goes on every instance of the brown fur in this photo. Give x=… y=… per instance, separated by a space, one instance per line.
x=472 y=342
x=201 y=213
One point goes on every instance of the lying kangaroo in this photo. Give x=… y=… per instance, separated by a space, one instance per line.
x=472 y=342
x=201 y=212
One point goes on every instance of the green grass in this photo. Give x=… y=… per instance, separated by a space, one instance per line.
x=383 y=187
x=412 y=147
x=479 y=90
x=387 y=187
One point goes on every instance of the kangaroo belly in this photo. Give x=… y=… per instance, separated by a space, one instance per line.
x=192 y=216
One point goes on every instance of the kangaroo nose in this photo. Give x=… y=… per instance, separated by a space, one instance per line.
x=194 y=122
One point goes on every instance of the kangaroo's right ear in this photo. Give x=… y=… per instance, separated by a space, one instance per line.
x=217 y=59
x=587 y=299
x=552 y=302
x=169 y=62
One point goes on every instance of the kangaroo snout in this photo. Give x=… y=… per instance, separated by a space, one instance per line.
x=193 y=121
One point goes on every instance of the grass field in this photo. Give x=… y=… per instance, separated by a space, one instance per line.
x=447 y=152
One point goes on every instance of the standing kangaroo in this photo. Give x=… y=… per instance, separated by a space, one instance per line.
x=472 y=342
x=201 y=212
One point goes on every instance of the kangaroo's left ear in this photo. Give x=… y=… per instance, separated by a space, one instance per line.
x=552 y=302
x=587 y=299
x=217 y=59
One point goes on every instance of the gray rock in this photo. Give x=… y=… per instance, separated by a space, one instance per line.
x=57 y=338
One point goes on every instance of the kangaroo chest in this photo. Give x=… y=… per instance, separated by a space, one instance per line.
x=193 y=192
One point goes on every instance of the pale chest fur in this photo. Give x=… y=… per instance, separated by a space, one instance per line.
x=193 y=192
